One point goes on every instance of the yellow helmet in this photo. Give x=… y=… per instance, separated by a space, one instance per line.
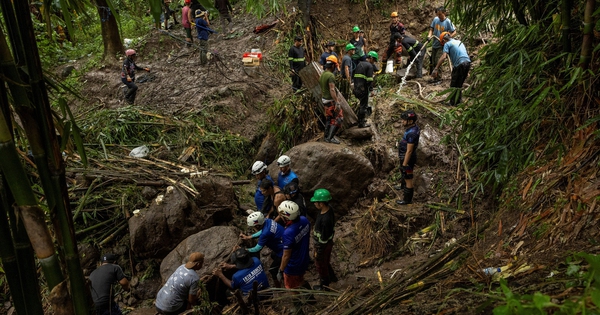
x=394 y=14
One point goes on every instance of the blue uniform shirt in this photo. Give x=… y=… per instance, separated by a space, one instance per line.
x=457 y=52
x=297 y=238
x=259 y=198
x=283 y=180
x=271 y=237
x=324 y=56
x=244 y=279
x=439 y=27
x=411 y=135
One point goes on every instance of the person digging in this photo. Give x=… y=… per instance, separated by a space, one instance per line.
x=407 y=151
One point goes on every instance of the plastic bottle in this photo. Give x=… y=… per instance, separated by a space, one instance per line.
x=491 y=270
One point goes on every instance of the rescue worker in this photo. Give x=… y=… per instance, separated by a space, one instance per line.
x=168 y=13
x=186 y=22
x=292 y=192
x=180 y=292
x=413 y=48
x=296 y=243
x=363 y=86
x=102 y=280
x=440 y=24
x=203 y=29
x=395 y=28
x=286 y=175
x=323 y=237
x=347 y=71
x=329 y=51
x=407 y=151
x=360 y=44
x=128 y=75
x=461 y=64
x=297 y=62
x=333 y=112
x=260 y=171
x=273 y=198
x=269 y=234
x=225 y=11
x=249 y=269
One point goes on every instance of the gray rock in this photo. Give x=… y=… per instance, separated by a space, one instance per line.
x=224 y=91
x=268 y=149
x=147 y=289
x=430 y=151
x=345 y=173
x=66 y=71
x=149 y=193
x=155 y=233
x=215 y=243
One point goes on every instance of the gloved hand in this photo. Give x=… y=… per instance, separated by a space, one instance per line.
x=280 y=276
x=403 y=170
x=147 y=69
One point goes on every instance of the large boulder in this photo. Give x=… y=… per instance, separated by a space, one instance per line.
x=345 y=173
x=165 y=223
x=215 y=243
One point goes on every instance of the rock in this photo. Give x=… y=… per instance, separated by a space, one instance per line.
x=89 y=256
x=342 y=171
x=215 y=243
x=149 y=193
x=66 y=71
x=224 y=91
x=379 y=189
x=134 y=282
x=147 y=289
x=382 y=158
x=161 y=226
x=356 y=133
x=268 y=149
x=131 y=301
x=430 y=151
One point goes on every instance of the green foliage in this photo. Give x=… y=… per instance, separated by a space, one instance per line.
x=283 y=120
x=261 y=8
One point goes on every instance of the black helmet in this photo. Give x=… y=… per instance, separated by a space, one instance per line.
x=408 y=115
x=290 y=188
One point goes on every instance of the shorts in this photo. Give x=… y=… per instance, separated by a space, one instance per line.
x=293 y=282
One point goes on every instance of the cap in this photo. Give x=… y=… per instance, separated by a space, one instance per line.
x=330 y=43
x=195 y=257
x=241 y=258
x=298 y=38
x=109 y=258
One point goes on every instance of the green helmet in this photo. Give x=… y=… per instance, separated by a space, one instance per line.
x=321 y=195
x=350 y=47
x=373 y=55
x=355 y=29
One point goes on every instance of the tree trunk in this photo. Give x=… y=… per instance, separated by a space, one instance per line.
x=113 y=46
x=588 y=36
x=518 y=11
x=304 y=7
x=565 y=14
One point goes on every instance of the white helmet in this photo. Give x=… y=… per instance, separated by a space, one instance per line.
x=283 y=160
x=289 y=210
x=255 y=218
x=258 y=167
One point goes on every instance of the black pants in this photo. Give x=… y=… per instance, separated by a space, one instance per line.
x=391 y=47
x=459 y=75
x=296 y=81
x=131 y=90
x=363 y=97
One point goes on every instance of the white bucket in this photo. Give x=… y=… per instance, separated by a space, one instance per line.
x=389 y=67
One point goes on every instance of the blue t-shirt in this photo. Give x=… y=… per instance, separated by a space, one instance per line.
x=202 y=29
x=259 y=198
x=457 y=52
x=439 y=27
x=271 y=237
x=411 y=135
x=297 y=238
x=283 y=180
x=244 y=279
x=324 y=56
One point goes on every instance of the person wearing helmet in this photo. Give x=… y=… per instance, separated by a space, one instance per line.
x=186 y=22
x=297 y=62
x=273 y=198
x=128 y=75
x=407 y=151
x=329 y=51
x=292 y=192
x=203 y=30
x=360 y=45
x=249 y=270
x=363 y=86
x=461 y=64
x=286 y=175
x=395 y=28
x=269 y=234
x=440 y=24
x=413 y=48
x=333 y=112
x=296 y=242
x=260 y=171
x=102 y=280
x=323 y=237
x=347 y=70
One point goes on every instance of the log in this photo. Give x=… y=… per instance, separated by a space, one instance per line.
x=240 y=182
x=310 y=78
x=356 y=133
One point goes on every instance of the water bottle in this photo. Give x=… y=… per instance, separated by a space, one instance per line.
x=491 y=270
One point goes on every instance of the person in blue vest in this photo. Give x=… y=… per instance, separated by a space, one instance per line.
x=286 y=175
x=461 y=64
x=407 y=151
x=269 y=234
x=249 y=270
x=259 y=170
x=296 y=243
x=203 y=29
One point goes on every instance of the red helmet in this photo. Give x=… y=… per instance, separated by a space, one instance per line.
x=188 y=1
x=129 y=52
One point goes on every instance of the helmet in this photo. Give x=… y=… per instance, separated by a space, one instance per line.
x=445 y=36
x=373 y=55
x=290 y=188
x=283 y=160
x=289 y=210
x=255 y=218
x=350 y=47
x=394 y=14
x=408 y=115
x=130 y=52
x=321 y=195
x=187 y=1
x=355 y=29
x=258 y=167
x=330 y=43
x=333 y=59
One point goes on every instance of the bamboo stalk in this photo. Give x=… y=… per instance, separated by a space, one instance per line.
x=588 y=36
x=93 y=227
x=113 y=235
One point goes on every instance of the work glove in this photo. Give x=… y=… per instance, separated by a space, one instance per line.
x=280 y=276
x=147 y=69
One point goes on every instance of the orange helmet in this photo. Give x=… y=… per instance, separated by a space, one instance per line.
x=332 y=58
x=445 y=36
x=394 y=14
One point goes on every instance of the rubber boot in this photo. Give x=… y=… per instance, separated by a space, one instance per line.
x=402 y=185
x=331 y=137
x=322 y=286
x=362 y=122
x=408 y=196
x=326 y=134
